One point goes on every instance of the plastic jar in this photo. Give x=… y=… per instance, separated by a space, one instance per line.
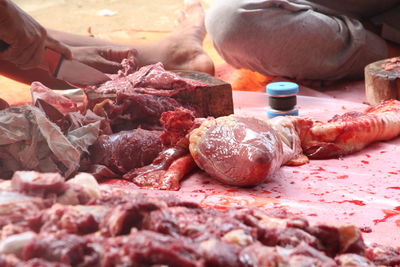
x=282 y=99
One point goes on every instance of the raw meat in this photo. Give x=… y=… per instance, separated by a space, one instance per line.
x=151 y=76
x=350 y=132
x=244 y=151
x=129 y=229
x=126 y=150
x=235 y=150
x=38 y=184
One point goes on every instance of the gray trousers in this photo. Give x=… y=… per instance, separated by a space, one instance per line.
x=320 y=39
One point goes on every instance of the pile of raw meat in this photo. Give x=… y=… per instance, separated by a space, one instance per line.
x=115 y=137
x=45 y=221
x=142 y=126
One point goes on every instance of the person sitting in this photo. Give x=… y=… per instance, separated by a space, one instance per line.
x=304 y=39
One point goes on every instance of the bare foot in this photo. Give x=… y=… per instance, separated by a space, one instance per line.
x=182 y=50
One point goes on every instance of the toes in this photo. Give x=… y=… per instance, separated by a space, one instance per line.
x=180 y=17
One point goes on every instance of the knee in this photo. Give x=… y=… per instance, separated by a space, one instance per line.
x=223 y=20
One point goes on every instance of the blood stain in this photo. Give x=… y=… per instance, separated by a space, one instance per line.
x=356 y=202
x=394 y=187
x=393 y=173
x=312 y=214
x=365 y=161
x=388 y=214
x=368 y=155
x=342 y=177
x=366 y=229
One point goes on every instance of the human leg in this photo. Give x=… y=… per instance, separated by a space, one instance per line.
x=277 y=37
x=182 y=49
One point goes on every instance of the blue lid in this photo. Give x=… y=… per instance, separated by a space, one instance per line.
x=271 y=113
x=282 y=88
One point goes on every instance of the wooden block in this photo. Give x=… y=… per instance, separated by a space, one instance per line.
x=214 y=99
x=381 y=84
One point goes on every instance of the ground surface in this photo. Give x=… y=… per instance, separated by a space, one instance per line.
x=76 y=16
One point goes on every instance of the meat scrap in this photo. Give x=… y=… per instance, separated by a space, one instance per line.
x=391 y=64
x=130 y=229
x=150 y=76
x=350 y=132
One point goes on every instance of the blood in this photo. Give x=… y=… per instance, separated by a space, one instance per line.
x=320 y=169
x=394 y=187
x=232 y=190
x=366 y=229
x=368 y=155
x=365 y=161
x=342 y=177
x=388 y=214
x=305 y=178
x=356 y=202
x=198 y=191
x=393 y=173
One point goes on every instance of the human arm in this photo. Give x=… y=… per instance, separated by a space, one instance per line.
x=25 y=37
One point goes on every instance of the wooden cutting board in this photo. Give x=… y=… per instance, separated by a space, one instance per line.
x=382 y=81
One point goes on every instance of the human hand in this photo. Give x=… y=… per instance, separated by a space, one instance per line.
x=104 y=58
x=26 y=39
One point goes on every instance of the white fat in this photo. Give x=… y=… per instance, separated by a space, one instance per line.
x=208 y=245
x=88 y=182
x=12 y=197
x=5 y=185
x=14 y=244
x=70 y=197
x=271 y=222
x=287 y=133
x=239 y=237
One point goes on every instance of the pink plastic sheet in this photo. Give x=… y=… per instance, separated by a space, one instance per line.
x=361 y=189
